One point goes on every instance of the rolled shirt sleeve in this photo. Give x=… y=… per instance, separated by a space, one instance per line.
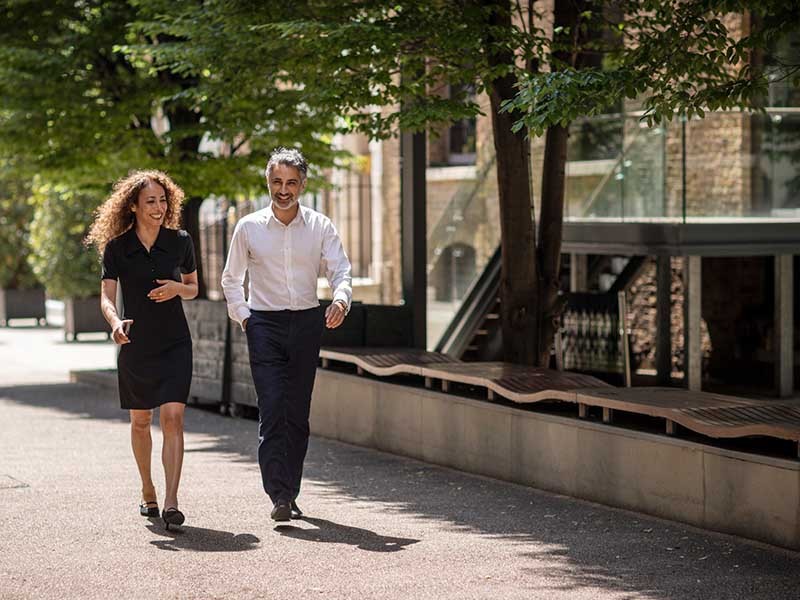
x=233 y=276
x=337 y=266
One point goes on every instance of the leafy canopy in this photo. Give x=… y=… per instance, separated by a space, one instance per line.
x=87 y=87
x=683 y=57
x=364 y=60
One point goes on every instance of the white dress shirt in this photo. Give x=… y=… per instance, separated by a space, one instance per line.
x=284 y=262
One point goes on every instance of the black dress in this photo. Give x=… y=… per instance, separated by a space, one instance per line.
x=156 y=367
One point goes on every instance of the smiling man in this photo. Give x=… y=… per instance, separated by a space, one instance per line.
x=283 y=248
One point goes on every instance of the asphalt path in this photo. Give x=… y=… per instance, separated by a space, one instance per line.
x=378 y=526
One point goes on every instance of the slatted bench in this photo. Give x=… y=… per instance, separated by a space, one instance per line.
x=713 y=415
x=518 y=383
x=709 y=414
x=384 y=361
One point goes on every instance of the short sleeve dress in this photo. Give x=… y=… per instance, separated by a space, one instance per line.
x=156 y=367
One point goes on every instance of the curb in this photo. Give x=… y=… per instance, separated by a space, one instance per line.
x=104 y=378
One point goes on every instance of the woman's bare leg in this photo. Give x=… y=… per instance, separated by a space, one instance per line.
x=142 y=445
x=171 y=421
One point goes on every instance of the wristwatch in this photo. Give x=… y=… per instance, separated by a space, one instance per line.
x=344 y=306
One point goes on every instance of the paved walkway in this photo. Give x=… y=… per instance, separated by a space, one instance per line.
x=379 y=526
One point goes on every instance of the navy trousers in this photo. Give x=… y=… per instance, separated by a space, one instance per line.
x=284 y=352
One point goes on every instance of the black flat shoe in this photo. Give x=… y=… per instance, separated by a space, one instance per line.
x=172 y=516
x=296 y=513
x=148 y=509
x=281 y=511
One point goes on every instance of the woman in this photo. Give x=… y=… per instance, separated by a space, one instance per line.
x=136 y=232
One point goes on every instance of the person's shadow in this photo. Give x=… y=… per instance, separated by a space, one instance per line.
x=327 y=531
x=200 y=539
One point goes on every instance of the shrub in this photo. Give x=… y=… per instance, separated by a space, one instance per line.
x=16 y=212
x=62 y=216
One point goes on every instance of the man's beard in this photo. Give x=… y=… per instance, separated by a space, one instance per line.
x=291 y=204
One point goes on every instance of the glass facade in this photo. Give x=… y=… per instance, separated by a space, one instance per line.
x=727 y=165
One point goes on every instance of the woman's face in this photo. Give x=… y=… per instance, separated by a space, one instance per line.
x=151 y=205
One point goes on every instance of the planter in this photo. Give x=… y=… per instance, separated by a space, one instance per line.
x=22 y=304
x=208 y=324
x=243 y=392
x=82 y=315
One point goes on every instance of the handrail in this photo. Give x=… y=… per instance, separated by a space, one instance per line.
x=477 y=302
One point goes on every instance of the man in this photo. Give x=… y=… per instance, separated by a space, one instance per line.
x=283 y=247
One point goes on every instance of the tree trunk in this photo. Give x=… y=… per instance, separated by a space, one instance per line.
x=551 y=219
x=551 y=223
x=518 y=279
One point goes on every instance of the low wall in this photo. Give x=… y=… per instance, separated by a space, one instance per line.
x=732 y=492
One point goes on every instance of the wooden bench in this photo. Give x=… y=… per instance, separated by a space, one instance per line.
x=713 y=415
x=518 y=383
x=384 y=361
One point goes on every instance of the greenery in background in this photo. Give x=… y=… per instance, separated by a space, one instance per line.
x=59 y=259
x=677 y=55
x=77 y=102
x=82 y=103
x=81 y=81
x=377 y=62
x=16 y=212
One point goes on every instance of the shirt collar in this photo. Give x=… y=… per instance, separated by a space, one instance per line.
x=134 y=245
x=302 y=213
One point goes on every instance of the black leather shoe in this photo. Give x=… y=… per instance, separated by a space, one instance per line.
x=296 y=512
x=172 y=516
x=281 y=511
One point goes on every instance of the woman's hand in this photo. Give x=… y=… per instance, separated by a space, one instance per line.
x=120 y=332
x=167 y=291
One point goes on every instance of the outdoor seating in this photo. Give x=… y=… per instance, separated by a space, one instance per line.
x=709 y=414
x=384 y=361
x=714 y=415
x=518 y=383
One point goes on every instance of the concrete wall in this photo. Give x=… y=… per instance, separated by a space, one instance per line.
x=752 y=496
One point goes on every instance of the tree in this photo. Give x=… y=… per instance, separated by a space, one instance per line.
x=82 y=102
x=541 y=67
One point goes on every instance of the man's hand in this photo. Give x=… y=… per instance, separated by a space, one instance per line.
x=166 y=291
x=244 y=324
x=334 y=314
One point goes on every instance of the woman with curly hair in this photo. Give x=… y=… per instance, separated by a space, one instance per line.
x=136 y=230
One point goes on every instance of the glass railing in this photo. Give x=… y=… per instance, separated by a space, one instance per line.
x=463 y=233
x=726 y=165
x=626 y=180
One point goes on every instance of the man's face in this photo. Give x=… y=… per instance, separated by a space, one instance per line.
x=285 y=186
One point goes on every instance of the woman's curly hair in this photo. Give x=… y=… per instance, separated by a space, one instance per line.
x=114 y=217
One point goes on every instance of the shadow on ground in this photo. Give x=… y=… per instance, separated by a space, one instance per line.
x=200 y=539
x=333 y=533
x=574 y=543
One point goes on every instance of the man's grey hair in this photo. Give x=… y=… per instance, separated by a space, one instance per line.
x=287 y=156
